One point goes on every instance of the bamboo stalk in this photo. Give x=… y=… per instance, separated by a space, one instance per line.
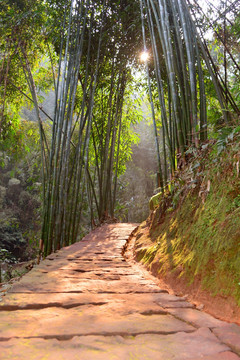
x=151 y=102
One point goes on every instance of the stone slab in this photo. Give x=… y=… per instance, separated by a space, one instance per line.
x=21 y=301
x=75 y=285
x=179 y=346
x=83 y=264
x=82 y=278
x=89 y=273
x=176 y=304
x=230 y=335
x=124 y=304
x=197 y=318
x=84 y=320
x=226 y=355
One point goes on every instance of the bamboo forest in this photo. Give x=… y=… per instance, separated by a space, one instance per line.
x=124 y=112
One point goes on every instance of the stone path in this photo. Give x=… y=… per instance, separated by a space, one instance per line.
x=87 y=302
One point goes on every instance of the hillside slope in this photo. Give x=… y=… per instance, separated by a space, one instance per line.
x=192 y=238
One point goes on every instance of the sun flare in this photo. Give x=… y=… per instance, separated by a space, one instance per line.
x=144 y=56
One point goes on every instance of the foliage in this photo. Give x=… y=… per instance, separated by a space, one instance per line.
x=218 y=26
x=84 y=51
x=21 y=205
x=21 y=21
x=57 y=32
x=184 y=115
x=193 y=79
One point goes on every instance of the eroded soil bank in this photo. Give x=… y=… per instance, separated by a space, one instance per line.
x=191 y=240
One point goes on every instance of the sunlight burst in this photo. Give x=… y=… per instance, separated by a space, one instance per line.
x=144 y=56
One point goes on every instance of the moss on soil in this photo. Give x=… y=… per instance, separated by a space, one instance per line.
x=200 y=236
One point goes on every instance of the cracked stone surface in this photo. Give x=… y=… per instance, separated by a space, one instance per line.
x=87 y=302
x=197 y=318
x=222 y=356
x=230 y=334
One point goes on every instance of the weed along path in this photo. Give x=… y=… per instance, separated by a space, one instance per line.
x=87 y=302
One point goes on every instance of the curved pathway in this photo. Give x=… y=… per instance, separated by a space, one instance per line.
x=87 y=302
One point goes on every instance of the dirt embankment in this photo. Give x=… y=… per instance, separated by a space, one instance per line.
x=191 y=239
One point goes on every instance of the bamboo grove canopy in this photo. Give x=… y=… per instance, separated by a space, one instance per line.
x=91 y=46
x=178 y=49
